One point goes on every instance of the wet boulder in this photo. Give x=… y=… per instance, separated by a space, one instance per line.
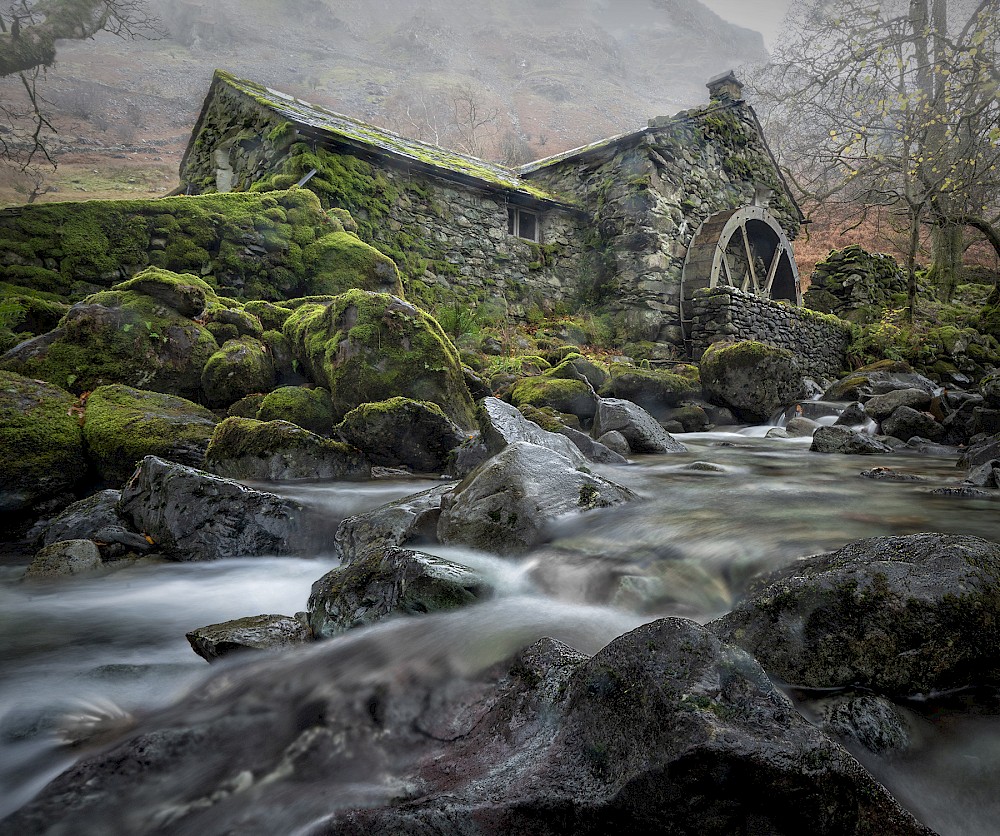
x=616 y=443
x=411 y=520
x=897 y=615
x=880 y=407
x=878 y=379
x=311 y=409
x=853 y=415
x=506 y=504
x=905 y=423
x=390 y=582
x=639 y=428
x=401 y=432
x=666 y=729
x=41 y=446
x=243 y=448
x=751 y=378
x=193 y=515
x=980 y=451
x=369 y=347
x=986 y=475
x=123 y=335
x=255 y=632
x=592 y=450
x=865 y=720
x=123 y=425
x=96 y=518
x=241 y=367
x=65 y=557
x=839 y=439
x=503 y=425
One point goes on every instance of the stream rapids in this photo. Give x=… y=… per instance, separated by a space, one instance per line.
x=734 y=506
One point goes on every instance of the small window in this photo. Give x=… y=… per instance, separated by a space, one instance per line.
x=522 y=223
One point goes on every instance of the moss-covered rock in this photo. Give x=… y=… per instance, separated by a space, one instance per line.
x=123 y=336
x=311 y=409
x=563 y=395
x=877 y=379
x=402 y=432
x=751 y=378
x=655 y=390
x=247 y=407
x=41 y=446
x=271 y=316
x=245 y=323
x=341 y=261
x=369 y=347
x=184 y=293
x=240 y=368
x=244 y=448
x=123 y=425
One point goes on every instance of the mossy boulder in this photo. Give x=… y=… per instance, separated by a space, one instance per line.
x=123 y=425
x=186 y=294
x=125 y=336
x=402 y=432
x=271 y=316
x=655 y=390
x=311 y=409
x=244 y=448
x=877 y=379
x=561 y=394
x=576 y=366
x=751 y=378
x=41 y=445
x=368 y=347
x=341 y=261
x=240 y=368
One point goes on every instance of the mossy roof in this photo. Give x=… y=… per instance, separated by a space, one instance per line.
x=354 y=133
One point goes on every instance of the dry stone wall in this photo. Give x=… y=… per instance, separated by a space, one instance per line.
x=723 y=313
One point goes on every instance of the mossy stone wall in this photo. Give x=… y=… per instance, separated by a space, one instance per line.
x=449 y=240
x=248 y=245
x=818 y=341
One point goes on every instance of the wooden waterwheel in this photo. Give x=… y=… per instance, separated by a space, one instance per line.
x=746 y=249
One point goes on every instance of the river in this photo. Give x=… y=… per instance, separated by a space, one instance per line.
x=735 y=505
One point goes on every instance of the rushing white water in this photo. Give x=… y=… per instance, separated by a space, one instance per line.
x=734 y=506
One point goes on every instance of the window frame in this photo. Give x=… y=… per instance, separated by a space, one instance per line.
x=514 y=214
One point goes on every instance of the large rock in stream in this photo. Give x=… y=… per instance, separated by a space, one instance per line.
x=506 y=504
x=897 y=615
x=665 y=730
x=193 y=515
x=752 y=379
x=640 y=429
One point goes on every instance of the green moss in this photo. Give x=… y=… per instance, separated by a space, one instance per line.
x=340 y=261
x=41 y=446
x=236 y=438
x=241 y=367
x=368 y=347
x=271 y=316
x=311 y=409
x=562 y=395
x=122 y=336
x=124 y=424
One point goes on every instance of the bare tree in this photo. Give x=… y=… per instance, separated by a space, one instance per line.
x=893 y=104
x=29 y=32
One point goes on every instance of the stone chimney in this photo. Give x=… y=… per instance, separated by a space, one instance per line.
x=725 y=87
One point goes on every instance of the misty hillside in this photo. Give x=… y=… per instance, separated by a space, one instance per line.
x=541 y=76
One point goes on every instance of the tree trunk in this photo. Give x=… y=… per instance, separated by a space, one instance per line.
x=948 y=248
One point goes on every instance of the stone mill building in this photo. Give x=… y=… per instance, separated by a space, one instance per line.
x=680 y=230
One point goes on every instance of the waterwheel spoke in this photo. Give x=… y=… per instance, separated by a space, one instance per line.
x=749 y=252
x=772 y=271
x=728 y=269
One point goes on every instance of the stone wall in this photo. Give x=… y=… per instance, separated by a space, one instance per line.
x=856 y=285
x=650 y=192
x=724 y=313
